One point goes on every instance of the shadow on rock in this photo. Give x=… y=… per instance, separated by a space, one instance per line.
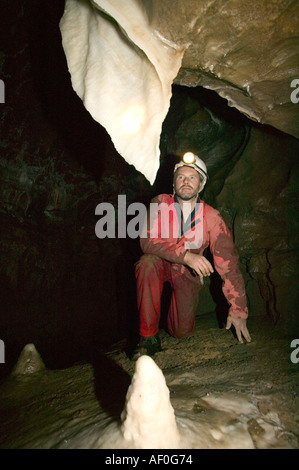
x=111 y=385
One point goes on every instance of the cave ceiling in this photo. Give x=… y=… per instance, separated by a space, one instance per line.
x=124 y=57
x=248 y=52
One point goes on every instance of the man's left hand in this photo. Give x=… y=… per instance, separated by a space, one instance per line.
x=240 y=327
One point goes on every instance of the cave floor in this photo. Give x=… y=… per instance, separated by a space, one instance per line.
x=255 y=384
x=213 y=361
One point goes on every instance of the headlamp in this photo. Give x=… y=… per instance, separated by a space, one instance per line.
x=188 y=158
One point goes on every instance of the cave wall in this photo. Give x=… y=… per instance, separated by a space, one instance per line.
x=259 y=199
x=259 y=202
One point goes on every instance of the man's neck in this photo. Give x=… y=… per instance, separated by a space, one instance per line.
x=187 y=206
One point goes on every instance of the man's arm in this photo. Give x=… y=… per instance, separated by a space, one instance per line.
x=226 y=262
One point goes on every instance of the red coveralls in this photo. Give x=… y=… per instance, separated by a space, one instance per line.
x=163 y=261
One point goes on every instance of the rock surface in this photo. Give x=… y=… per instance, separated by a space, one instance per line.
x=246 y=52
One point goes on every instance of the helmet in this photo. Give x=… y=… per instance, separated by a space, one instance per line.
x=189 y=159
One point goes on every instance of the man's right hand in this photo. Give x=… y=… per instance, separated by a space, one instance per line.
x=198 y=263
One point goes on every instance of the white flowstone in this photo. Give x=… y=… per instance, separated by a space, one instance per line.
x=148 y=418
x=123 y=70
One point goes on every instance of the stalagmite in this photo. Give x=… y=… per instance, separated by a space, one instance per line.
x=29 y=361
x=122 y=69
x=148 y=418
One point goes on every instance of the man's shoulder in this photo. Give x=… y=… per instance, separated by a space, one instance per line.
x=209 y=211
x=167 y=198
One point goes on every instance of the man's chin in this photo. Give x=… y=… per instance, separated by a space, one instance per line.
x=186 y=197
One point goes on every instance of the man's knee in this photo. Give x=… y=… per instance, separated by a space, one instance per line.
x=147 y=263
x=181 y=333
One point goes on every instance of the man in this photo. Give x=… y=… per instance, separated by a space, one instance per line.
x=179 y=228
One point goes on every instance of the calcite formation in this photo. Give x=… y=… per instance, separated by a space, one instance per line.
x=123 y=71
x=148 y=418
x=29 y=361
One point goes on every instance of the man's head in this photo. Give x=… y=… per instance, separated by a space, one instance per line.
x=187 y=183
x=190 y=176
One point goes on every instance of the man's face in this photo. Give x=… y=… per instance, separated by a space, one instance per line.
x=187 y=183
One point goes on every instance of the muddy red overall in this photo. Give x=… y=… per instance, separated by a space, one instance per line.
x=163 y=260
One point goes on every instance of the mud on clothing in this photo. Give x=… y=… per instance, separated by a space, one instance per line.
x=163 y=260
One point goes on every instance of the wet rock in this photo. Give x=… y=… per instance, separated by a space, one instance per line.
x=247 y=53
